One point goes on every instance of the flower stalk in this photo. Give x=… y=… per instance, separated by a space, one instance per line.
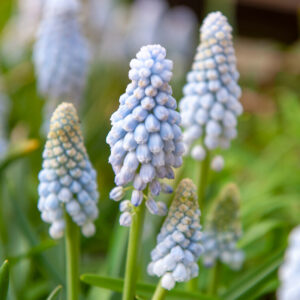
x=160 y=293
x=72 y=258
x=204 y=173
x=135 y=235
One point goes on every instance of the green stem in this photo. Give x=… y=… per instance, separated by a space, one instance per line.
x=203 y=179
x=72 y=258
x=192 y=285
x=160 y=293
x=135 y=235
x=215 y=272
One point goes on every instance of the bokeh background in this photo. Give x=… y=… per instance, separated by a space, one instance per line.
x=264 y=160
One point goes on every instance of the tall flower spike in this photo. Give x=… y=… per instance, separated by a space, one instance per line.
x=223 y=229
x=145 y=138
x=67 y=181
x=210 y=105
x=60 y=53
x=289 y=272
x=178 y=243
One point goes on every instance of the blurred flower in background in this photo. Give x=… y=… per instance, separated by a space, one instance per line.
x=61 y=54
x=117 y=30
x=20 y=31
x=289 y=272
x=222 y=230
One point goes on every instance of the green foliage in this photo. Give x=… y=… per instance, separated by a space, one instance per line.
x=4 y=280
x=143 y=290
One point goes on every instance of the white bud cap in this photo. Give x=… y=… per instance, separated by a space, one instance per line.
x=217 y=163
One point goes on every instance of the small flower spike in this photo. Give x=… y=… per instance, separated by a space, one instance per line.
x=67 y=181
x=145 y=138
x=289 y=272
x=61 y=53
x=178 y=243
x=223 y=229
x=210 y=105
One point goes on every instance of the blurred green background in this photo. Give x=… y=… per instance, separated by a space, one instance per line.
x=264 y=160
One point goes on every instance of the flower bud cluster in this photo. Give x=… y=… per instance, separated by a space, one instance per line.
x=60 y=53
x=210 y=105
x=178 y=243
x=223 y=230
x=289 y=272
x=68 y=181
x=145 y=139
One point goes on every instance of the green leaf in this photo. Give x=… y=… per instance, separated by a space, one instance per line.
x=257 y=231
x=254 y=278
x=54 y=293
x=142 y=289
x=33 y=251
x=4 y=280
x=21 y=150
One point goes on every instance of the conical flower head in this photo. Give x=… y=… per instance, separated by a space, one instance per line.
x=210 y=105
x=67 y=180
x=60 y=53
x=145 y=138
x=223 y=229
x=289 y=272
x=178 y=243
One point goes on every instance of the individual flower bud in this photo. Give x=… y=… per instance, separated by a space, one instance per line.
x=289 y=274
x=125 y=219
x=67 y=180
x=217 y=163
x=223 y=230
x=178 y=244
x=210 y=105
x=145 y=138
x=117 y=193
x=60 y=54
x=198 y=153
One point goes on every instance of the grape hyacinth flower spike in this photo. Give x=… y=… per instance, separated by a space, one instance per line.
x=178 y=248
x=223 y=229
x=60 y=54
x=67 y=181
x=210 y=106
x=289 y=272
x=145 y=138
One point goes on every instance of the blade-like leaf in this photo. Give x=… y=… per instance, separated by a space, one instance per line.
x=254 y=278
x=21 y=150
x=142 y=289
x=33 y=251
x=4 y=280
x=54 y=294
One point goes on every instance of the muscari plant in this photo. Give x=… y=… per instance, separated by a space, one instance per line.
x=68 y=188
x=146 y=145
x=210 y=106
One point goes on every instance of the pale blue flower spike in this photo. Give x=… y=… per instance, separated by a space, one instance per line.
x=210 y=105
x=223 y=230
x=179 y=241
x=60 y=54
x=289 y=272
x=67 y=180
x=145 y=139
